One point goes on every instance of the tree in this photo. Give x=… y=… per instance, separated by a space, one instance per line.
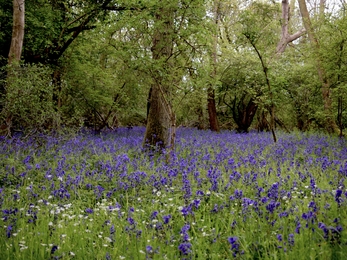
x=176 y=27
x=241 y=90
x=160 y=130
x=330 y=124
x=211 y=103
x=286 y=38
x=15 y=52
x=253 y=32
x=17 y=32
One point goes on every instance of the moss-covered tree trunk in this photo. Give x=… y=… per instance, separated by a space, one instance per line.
x=160 y=129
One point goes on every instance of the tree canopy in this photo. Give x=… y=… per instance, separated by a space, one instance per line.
x=263 y=64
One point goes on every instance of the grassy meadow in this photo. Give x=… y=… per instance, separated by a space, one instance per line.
x=217 y=196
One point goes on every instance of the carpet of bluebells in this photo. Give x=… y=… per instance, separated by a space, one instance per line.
x=216 y=196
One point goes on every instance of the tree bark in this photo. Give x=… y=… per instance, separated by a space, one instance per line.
x=330 y=124
x=265 y=71
x=211 y=102
x=17 y=31
x=212 y=111
x=14 y=55
x=285 y=36
x=160 y=129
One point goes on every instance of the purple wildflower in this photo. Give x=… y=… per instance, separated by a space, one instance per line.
x=291 y=239
x=338 y=198
x=149 y=249
x=154 y=215
x=54 y=248
x=313 y=205
x=298 y=226
x=187 y=210
x=272 y=206
x=215 y=208
x=232 y=240
x=200 y=193
x=238 y=194
x=131 y=221
x=89 y=211
x=166 y=219
x=185 y=248
x=233 y=224
x=8 y=231
x=112 y=230
x=196 y=203
x=184 y=233
x=234 y=245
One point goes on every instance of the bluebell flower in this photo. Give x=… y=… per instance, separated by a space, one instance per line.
x=154 y=215
x=8 y=231
x=112 y=230
x=291 y=239
x=185 y=228
x=272 y=206
x=283 y=214
x=264 y=200
x=339 y=228
x=187 y=210
x=131 y=221
x=234 y=245
x=196 y=203
x=149 y=249
x=89 y=210
x=185 y=248
x=273 y=191
x=323 y=227
x=54 y=248
x=338 y=198
x=166 y=219
x=233 y=224
x=313 y=205
x=215 y=208
x=200 y=193
x=232 y=240
x=238 y=194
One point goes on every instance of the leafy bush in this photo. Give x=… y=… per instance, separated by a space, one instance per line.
x=28 y=100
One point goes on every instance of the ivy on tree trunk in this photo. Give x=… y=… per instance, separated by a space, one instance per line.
x=160 y=129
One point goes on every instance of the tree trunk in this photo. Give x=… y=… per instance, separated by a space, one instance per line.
x=211 y=102
x=212 y=111
x=159 y=121
x=14 y=53
x=160 y=130
x=330 y=124
x=285 y=36
x=243 y=112
x=265 y=70
x=17 y=31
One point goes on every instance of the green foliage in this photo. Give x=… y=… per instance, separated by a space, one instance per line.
x=105 y=61
x=258 y=23
x=242 y=81
x=28 y=99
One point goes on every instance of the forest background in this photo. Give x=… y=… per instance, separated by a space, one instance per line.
x=222 y=64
